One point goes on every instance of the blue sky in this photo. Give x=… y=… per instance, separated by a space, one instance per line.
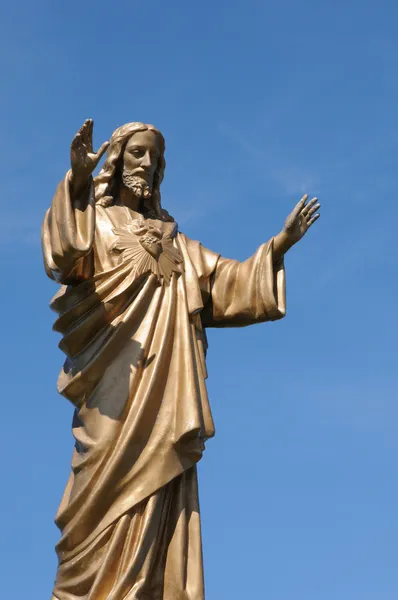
x=259 y=102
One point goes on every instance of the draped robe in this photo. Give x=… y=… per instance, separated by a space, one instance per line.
x=133 y=331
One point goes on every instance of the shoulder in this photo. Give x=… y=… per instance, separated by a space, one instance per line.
x=203 y=259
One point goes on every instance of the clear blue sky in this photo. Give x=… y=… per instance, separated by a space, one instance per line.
x=259 y=102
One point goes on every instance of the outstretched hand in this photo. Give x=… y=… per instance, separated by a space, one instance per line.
x=82 y=156
x=301 y=218
x=296 y=225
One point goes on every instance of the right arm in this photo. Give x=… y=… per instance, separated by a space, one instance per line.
x=69 y=225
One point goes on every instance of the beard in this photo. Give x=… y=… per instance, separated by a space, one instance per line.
x=138 y=185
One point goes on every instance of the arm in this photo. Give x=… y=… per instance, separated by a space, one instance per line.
x=244 y=293
x=69 y=225
x=253 y=291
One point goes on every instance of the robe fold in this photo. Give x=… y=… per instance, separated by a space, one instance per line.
x=136 y=296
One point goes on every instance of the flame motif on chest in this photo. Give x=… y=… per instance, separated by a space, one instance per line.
x=149 y=249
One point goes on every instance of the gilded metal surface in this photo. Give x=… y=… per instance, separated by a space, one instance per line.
x=136 y=296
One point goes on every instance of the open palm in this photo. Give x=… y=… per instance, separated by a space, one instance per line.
x=82 y=156
x=301 y=218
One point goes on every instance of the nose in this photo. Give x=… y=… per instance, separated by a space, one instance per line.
x=146 y=160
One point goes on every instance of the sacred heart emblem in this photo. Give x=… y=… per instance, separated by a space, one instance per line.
x=152 y=244
x=148 y=249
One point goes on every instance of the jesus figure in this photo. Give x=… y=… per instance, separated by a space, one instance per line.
x=135 y=300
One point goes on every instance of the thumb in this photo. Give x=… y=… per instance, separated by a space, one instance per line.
x=102 y=150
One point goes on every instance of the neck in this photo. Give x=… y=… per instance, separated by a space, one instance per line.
x=128 y=198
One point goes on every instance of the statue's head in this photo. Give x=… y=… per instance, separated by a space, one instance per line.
x=135 y=159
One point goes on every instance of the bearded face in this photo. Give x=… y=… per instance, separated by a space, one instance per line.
x=140 y=161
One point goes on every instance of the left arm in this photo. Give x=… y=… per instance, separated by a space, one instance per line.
x=253 y=291
x=244 y=293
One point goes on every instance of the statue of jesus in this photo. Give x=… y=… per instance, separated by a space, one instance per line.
x=135 y=300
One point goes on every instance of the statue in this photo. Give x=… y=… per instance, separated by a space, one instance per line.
x=135 y=300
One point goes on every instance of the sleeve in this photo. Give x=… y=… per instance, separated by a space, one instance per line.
x=244 y=293
x=68 y=235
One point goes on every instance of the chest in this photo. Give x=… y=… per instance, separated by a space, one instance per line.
x=123 y=236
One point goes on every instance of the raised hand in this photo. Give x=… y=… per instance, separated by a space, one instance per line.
x=296 y=225
x=301 y=218
x=82 y=156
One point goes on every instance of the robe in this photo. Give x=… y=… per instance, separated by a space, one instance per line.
x=135 y=299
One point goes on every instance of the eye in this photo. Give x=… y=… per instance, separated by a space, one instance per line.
x=137 y=152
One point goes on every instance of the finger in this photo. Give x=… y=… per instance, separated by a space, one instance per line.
x=90 y=128
x=88 y=134
x=312 y=210
x=302 y=201
x=83 y=128
x=299 y=207
x=102 y=150
x=309 y=205
x=312 y=221
x=76 y=140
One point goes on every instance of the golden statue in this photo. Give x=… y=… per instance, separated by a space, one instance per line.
x=136 y=297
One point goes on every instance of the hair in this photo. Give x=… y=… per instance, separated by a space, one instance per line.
x=108 y=180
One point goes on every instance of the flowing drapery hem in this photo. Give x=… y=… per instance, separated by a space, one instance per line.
x=150 y=553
